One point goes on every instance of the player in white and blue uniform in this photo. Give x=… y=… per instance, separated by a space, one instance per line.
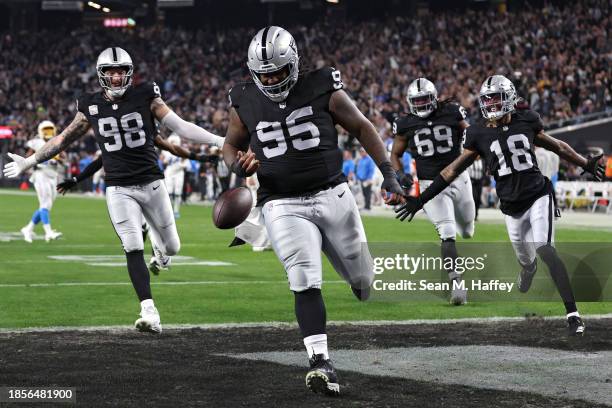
x=174 y=173
x=44 y=178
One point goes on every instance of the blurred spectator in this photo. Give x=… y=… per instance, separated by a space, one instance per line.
x=365 y=175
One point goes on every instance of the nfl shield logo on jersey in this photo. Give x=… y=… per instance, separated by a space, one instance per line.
x=115 y=106
x=93 y=109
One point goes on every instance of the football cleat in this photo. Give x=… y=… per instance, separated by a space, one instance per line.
x=322 y=376
x=575 y=326
x=53 y=235
x=361 y=294
x=149 y=321
x=27 y=234
x=526 y=277
x=458 y=294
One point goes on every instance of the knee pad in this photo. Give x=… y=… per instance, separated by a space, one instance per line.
x=447 y=230
x=173 y=247
x=132 y=243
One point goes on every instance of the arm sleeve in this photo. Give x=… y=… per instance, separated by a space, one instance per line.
x=470 y=139
x=90 y=170
x=190 y=131
x=536 y=122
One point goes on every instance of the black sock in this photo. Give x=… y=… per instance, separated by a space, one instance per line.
x=139 y=274
x=558 y=272
x=310 y=312
x=449 y=251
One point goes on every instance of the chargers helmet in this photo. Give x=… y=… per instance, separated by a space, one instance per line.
x=46 y=130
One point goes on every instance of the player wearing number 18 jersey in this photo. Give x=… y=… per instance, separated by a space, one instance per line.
x=506 y=140
x=122 y=118
x=287 y=121
x=433 y=131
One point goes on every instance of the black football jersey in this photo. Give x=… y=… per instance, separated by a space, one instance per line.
x=435 y=141
x=295 y=141
x=508 y=151
x=125 y=131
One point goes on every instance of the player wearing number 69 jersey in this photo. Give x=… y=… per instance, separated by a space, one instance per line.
x=506 y=142
x=122 y=117
x=287 y=122
x=433 y=131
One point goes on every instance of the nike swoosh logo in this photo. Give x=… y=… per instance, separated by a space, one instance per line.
x=155 y=188
x=340 y=195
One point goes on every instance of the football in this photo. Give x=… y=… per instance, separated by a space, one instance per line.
x=232 y=208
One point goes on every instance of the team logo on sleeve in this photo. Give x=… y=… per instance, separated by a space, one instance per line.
x=93 y=109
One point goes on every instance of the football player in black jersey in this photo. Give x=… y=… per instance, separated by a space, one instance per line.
x=433 y=131
x=122 y=117
x=506 y=142
x=286 y=121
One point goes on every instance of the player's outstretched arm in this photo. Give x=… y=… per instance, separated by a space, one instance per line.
x=181 y=127
x=77 y=128
x=350 y=118
x=446 y=176
x=180 y=151
x=235 y=149
x=566 y=152
x=87 y=172
x=400 y=144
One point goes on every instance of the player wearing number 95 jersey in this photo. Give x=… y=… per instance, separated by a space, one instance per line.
x=433 y=131
x=122 y=117
x=287 y=121
x=506 y=141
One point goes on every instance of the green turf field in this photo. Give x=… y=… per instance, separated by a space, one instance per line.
x=253 y=289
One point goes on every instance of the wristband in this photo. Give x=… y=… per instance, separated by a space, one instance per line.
x=436 y=187
x=387 y=170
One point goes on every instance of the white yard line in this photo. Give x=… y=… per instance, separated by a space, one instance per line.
x=59 y=284
x=274 y=324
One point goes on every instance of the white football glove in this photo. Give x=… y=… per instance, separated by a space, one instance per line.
x=18 y=165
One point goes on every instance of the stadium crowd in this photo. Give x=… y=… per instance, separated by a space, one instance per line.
x=557 y=57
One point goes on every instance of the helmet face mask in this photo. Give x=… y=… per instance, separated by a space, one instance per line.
x=497 y=97
x=113 y=59
x=422 y=97
x=273 y=50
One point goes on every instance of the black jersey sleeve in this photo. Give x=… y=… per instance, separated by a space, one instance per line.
x=401 y=127
x=535 y=121
x=151 y=90
x=82 y=102
x=326 y=80
x=235 y=96
x=471 y=139
x=458 y=112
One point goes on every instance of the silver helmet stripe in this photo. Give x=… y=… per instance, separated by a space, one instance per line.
x=489 y=81
x=419 y=84
x=115 y=59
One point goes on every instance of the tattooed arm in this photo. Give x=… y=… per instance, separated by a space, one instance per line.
x=76 y=129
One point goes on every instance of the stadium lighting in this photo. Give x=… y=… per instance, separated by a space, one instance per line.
x=94 y=5
x=106 y=9
x=333 y=1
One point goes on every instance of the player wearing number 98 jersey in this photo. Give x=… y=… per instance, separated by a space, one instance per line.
x=433 y=131
x=122 y=118
x=287 y=121
x=506 y=140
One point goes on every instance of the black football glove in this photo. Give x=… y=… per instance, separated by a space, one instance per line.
x=409 y=208
x=405 y=181
x=595 y=168
x=390 y=183
x=66 y=185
